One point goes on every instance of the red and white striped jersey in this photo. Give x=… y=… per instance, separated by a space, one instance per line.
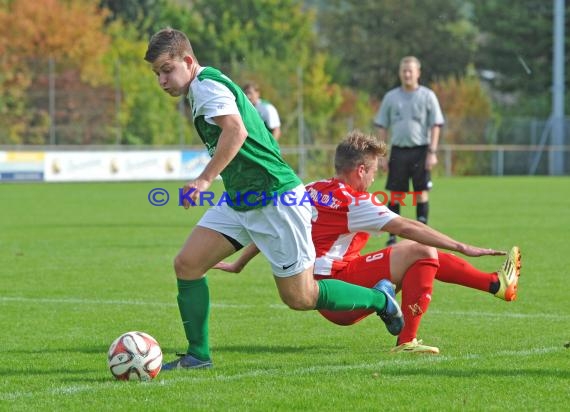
x=343 y=220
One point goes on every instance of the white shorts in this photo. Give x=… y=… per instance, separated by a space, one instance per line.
x=281 y=232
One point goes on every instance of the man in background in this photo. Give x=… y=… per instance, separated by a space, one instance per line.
x=411 y=115
x=266 y=110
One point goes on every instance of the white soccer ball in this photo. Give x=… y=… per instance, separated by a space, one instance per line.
x=134 y=356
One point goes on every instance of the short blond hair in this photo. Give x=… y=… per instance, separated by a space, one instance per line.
x=357 y=148
x=411 y=59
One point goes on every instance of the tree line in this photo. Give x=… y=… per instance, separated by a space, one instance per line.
x=333 y=59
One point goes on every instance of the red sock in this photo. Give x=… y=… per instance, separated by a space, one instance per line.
x=416 y=296
x=453 y=269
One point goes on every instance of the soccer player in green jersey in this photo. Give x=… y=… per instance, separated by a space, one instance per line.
x=248 y=159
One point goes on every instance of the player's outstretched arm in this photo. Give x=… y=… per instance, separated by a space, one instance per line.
x=421 y=233
x=236 y=267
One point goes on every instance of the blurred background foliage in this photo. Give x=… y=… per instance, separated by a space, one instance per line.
x=72 y=71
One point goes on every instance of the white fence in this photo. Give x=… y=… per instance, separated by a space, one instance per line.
x=454 y=160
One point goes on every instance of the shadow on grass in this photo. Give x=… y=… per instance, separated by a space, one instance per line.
x=51 y=371
x=247 y=349
x=99 y=379
x=87 y=350
x=476 y=373
x=253 y=349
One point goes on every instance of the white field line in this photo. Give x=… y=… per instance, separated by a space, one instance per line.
x=81 y=301
x=206 y=376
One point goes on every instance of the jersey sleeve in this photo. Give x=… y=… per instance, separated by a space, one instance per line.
x=368 y=215
x=212 y=99
x=382 y=118
x=436 y=115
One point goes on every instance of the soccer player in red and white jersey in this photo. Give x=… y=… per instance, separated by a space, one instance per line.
x=344 y=217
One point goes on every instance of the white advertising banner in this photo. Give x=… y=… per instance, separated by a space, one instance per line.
x=111 y=166
x=161 y=165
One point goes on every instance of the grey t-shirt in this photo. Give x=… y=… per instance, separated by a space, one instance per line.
x=409 y=116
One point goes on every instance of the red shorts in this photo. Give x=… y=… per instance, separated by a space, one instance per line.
x=365 y=271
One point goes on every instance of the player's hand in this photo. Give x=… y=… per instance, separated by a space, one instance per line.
x=195 y=187
x=475 y=251
x=230 y=267
x=383 y=164
x=431 y=161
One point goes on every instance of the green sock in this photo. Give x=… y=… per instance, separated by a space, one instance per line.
x=194 y=305
x=337 y=295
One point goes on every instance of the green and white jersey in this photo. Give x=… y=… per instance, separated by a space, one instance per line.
x=409 y=116
x=258 y=168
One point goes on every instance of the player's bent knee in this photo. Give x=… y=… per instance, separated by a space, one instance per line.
x=299 y=305
x=406 y=254
x=425 y=252
x=184 y=269
x=179 y=263
x=299 y=302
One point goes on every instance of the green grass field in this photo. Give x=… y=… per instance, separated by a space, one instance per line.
x=82 y=263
